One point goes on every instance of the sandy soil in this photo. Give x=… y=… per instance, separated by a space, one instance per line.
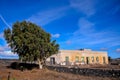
x=44 y=74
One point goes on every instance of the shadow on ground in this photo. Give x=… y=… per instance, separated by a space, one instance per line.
x=22 y=66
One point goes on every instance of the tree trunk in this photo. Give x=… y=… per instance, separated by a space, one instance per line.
x=44 y=62
x=40 y=64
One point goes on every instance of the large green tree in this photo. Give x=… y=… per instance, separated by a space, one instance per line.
x=30 y=42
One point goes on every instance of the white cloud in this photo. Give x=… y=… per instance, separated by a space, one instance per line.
x=84 y=6
x=56 y=35
x=68 y=42
x=4 y=21
x=8 y=54
x=104 y=49
x=5 y=47
x=101 y=40
x=85 y=27
x=1 y=35
x=114 y=43
x=44 y=17
x=1 y=49
x=86 y=34
x=118 y=50
x=5 y=52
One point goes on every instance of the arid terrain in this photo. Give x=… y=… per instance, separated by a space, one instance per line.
x=45 y=74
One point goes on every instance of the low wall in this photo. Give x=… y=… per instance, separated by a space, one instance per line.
x=87 y=71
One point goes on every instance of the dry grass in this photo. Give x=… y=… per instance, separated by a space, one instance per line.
x=45 y=74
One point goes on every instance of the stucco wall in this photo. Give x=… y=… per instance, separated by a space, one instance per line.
x=72 y=54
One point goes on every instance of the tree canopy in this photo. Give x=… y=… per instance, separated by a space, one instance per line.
x=30 y=42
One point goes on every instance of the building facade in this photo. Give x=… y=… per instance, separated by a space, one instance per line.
x=79 y=57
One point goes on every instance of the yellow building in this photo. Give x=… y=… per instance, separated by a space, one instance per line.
x=78 y=57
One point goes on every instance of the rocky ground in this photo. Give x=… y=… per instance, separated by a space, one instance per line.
x=45 y=74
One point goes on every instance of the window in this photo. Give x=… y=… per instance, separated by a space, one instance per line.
x=67 y=58
x=87 y=60
x=76 y=59
x=92 y=58
x=97 y=59
x=103 y=60
x=82 y=59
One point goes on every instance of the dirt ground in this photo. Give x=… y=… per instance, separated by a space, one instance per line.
x=45 y=74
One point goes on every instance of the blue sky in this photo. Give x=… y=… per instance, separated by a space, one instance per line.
x=75 y=24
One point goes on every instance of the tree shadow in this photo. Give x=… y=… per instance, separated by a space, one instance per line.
x=23 y=66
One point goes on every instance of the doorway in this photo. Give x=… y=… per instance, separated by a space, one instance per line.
x=87 y=60
x=52 y=60
x=67 y=60
x=103 y=60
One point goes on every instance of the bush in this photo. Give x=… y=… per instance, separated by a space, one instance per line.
x=23 y=66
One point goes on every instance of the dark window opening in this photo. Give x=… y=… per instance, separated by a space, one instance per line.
x=52 y=60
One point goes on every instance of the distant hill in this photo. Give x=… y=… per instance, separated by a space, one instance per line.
x=115 y=61
x=6 y=62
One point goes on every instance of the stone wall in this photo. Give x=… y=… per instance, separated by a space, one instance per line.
x=88 y=71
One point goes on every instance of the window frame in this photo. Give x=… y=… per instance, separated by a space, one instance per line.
x=67 y=58
x=97 y=59
x=77 y=59
x=82 y=59
x=92 y=59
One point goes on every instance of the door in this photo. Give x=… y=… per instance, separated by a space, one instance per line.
x=67 y=60
x=52 y=60
x=87 y=60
